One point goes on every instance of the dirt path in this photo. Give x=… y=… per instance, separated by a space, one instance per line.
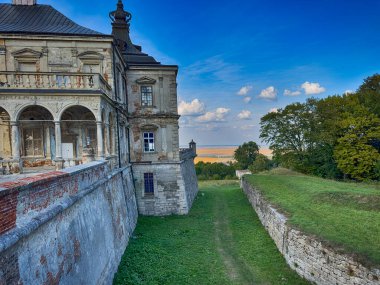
x=238 y=271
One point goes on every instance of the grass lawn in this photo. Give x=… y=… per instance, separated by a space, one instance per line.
x=345 y=215
x=220 y=242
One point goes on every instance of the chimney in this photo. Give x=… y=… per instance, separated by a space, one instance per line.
x=24 y=2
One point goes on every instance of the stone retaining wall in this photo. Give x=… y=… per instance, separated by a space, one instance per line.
x=175 y=187
x=66 y=227
x=306 y=255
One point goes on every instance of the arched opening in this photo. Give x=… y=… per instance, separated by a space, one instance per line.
x=5 y=135
x=37 y=136
x=78 y=131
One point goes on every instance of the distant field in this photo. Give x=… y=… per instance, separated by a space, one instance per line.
x=222 y=154
x=345 y=215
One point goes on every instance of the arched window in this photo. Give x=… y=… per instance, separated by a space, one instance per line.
x=36 y=124
x=78 y=128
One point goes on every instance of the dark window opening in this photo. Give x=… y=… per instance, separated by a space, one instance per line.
x=148 y=183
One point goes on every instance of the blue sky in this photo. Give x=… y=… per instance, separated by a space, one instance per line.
x=240 y=59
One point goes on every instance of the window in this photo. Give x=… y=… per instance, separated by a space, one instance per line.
x=33 y=142
x=148 y=183
x=146 y=96
x=149 y=142
x=27 y=66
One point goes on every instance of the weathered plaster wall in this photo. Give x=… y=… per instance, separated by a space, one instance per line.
x=175 y=187
x=189 y=181
x=306 y=255
x=66 y=227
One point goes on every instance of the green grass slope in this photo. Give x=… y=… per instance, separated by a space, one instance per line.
x=220 y=242
x=345 y=215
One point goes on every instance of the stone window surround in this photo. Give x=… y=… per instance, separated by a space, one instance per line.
x=144 y=91
x=26 y=55
x=91 y=58
x=147 y=82
x=149 y=129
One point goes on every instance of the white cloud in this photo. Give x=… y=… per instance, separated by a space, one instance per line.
x=312 y=88
x=217 y=116
x=245 y=115
x=273 y=110
x=269 y=93
x=247 y=99
x=291 y=93
x=194 y=108
x=347 y=92
x=244 y=90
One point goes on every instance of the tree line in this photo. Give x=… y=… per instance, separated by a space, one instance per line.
x=335 y=137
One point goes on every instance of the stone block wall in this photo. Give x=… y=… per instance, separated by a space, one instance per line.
x=306 y=255
x=175 y=187
x=66 y=227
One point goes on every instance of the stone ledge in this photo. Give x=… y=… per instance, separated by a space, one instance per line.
x=309 y=257
x=11 y=237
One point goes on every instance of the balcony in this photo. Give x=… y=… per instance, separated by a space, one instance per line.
x=54 y=81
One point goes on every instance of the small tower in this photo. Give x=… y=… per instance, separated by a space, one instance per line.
x=24 y=2
x=193 y=146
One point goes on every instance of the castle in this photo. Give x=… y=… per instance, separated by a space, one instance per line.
x=88 y=128
x=69 y=95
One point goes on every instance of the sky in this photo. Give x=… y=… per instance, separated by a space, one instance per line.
x=239 y=60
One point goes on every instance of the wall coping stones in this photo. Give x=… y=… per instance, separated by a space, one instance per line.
x=20 y=184
x=29 y=225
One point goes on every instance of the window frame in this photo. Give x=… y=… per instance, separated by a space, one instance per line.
x=145 y=94
x=150 y=140
x=148 y=183
x=34 y=141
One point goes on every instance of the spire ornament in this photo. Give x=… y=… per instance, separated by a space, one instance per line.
x=120 y=15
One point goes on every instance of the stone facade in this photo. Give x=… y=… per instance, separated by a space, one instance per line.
x=310 y=258
x=73 y=96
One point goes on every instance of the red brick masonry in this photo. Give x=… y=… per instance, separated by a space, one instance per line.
x=9 y=196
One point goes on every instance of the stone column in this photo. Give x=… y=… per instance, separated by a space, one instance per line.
x=17 y=164
x=108 y=141
x=100 y=142
x=58 y=146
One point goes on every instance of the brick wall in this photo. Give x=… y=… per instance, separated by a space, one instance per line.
x=306 y=255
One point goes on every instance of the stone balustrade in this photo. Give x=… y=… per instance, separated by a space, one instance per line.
x=54 y=80
x=7 y=166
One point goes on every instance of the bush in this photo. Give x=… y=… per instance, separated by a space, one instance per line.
x=261 y=163
x=214 y=171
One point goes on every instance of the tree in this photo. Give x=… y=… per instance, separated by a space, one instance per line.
x=354 y=153
x=368 y=94
x=246 y=154
x=261 y=163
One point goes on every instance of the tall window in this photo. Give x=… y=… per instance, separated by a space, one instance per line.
x=149 y=142
x=146 y=96
x=148 y=183
x=33 y=142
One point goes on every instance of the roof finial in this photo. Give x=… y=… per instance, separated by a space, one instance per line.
x=120 y=16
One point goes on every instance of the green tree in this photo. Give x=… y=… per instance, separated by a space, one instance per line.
x=368 y=94
x=246 y=154
x=261 y=163
x=354 y=153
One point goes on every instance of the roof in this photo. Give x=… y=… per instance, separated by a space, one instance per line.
x=41 y=20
